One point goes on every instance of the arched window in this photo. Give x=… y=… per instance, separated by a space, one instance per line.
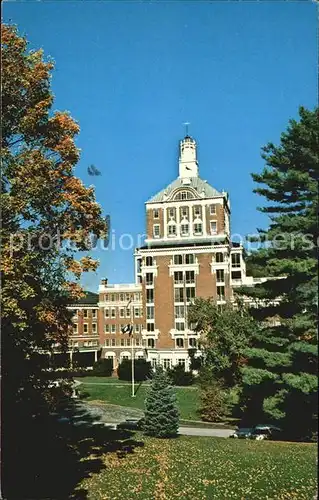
x=184 y=195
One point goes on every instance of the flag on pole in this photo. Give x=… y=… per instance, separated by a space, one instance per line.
x=127 y=329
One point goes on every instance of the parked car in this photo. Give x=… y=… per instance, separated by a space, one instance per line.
x=131 y=424
x=243 y=433
x=261 y=432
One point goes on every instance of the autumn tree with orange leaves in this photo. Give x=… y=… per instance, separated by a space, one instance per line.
x=44 y=206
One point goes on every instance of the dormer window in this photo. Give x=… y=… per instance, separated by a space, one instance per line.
x=184 y=195
x=156 y=213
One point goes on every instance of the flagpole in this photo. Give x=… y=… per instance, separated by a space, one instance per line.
x=132 y=355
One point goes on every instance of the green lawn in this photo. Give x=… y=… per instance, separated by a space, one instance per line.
x=198 y=468
x=187 y=397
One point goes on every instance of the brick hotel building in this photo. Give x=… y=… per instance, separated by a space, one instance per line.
x=188 y=253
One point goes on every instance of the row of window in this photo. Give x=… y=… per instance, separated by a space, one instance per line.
x=122 y=297
x=184 y=229
x=179 y=343
x=181 y=277
x=88 y=343
x=184 y=211
x=85 y=312
x=117 y=328
x=85 y=328
x=114 y=312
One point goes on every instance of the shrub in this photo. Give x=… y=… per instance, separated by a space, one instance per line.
x=142 y=370
x=103 y=367
x=213 y=405
x=161 y=417
x=179 y=376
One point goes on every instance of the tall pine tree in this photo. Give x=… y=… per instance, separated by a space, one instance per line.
x=280 y=380
x=161 y=412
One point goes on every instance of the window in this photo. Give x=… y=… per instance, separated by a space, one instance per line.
x=178 y=277
x=94 y=327
x=180 y=343
x=122 y=342
x=184 y=229
x=179 y=294
x=128 y=313
x=156 y=231
x=220 y=275
x=137 y=328
x=198 y=229
x=128 y=342
x=127 y=297
x=178 y=259
x=94 y=313
x=190 y=277
x=236 y=275
x=197 y=211
x=219 y=257
x=212 y=209
x=113 y=328
x=190 y=293
x=149 y=295
x=151 y=343
x=113 y=342
x=137 y=342
x=136 y=312
x=220 y=293
x=112 y=297
x=181 y=362
x=235 y=260
x=184 y=195
x=172 y=230
x=107 y=313
x=121 y=312
x=125 y=357
x=179 y=311
x=213 y=227
x=106 y=297
x=150 y=327
x=189 y=258
x=75 y=329
x=85 y=328
x=150 y=312
x=171 y=212
x=166 y=363
x=107 y=342
x=180 y=326
x=107 y=328
x=85 y=313
x=149 y=261
x=156 y=213
x=121 y=297
x=184 y=211
x=113 y=312
x=149 y=279
x=75 y=313
x=192 y=342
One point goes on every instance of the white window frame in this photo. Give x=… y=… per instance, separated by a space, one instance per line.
x=212 y=210
x=87 y=327
x=156 y=231
x=213 y=223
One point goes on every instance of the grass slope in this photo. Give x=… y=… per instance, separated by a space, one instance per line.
x=188 y=398
x=198 y=468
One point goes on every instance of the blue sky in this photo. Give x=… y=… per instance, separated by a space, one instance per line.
x=132 y=72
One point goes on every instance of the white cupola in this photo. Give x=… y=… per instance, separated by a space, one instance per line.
x=188 y=166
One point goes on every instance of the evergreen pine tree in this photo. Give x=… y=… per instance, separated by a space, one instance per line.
x=280 y=380
x=161 y=411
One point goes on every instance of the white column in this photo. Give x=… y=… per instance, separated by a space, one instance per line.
x=95 y=356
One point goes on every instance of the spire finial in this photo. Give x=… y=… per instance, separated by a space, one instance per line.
x=186 y=128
